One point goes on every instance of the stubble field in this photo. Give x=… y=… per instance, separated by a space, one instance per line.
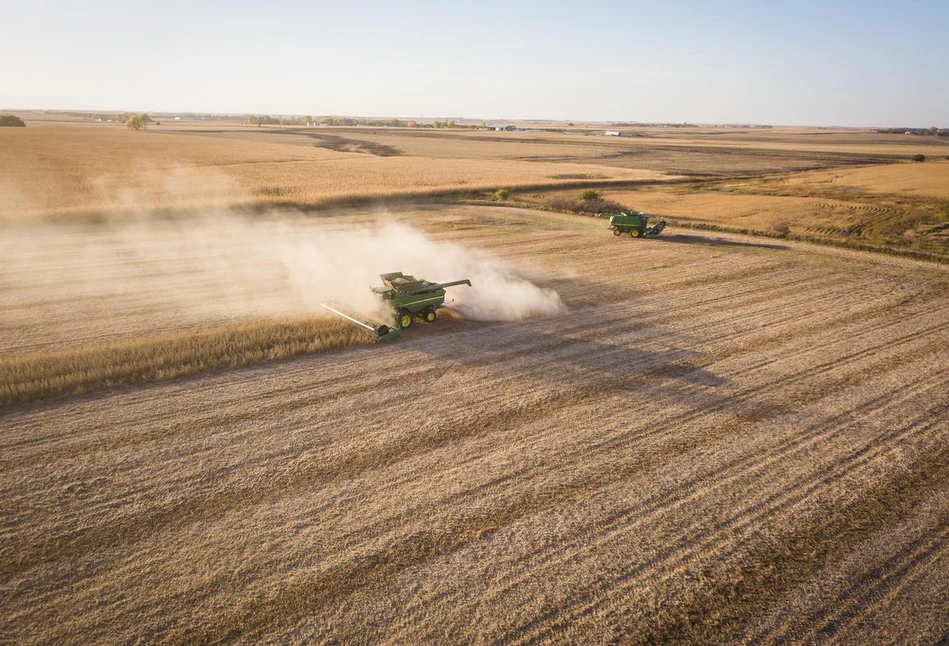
x=723 y=438
x=704 y=438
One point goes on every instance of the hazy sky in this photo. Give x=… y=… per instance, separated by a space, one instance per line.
x=802 y=62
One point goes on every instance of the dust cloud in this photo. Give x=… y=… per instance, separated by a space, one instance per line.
x=340 y=265
x=223 y=266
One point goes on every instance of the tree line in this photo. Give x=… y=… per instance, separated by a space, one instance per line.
x=267 y=120
x=11 y=120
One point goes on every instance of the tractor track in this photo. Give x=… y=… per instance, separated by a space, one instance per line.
x=674 y=558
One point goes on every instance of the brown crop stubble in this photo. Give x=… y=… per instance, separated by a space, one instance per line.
x=99 y=367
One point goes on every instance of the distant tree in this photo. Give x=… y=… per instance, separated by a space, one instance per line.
x=502 y=194
x=782 y=228
x=262 y=119
x=135 y=122
x=919 y=158
x=11 y=120
x=588 y=195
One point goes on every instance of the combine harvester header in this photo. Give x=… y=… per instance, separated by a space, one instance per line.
x=382 y=331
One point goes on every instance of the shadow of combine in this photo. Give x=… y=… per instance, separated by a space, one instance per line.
x=561 y=359
x=679 y=238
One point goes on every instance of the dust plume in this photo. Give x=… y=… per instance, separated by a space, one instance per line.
x=150 y=274
x=341 y=264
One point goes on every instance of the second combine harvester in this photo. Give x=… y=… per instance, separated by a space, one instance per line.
x=636 y=224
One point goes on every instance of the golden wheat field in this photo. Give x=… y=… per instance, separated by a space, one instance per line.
x=922 y=180
x=703 y=438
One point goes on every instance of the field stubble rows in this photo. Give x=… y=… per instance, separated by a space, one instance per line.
x=722 y=439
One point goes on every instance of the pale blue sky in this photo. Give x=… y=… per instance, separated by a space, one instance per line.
x=796 y=63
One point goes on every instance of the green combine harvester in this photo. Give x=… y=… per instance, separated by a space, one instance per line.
x=636 y=224
x=408 y=297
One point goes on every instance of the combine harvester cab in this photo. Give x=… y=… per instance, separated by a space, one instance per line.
x=409 y=297
x=636 y=224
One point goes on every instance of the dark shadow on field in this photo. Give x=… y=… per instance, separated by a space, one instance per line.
x=559 y=358
x=679 y=238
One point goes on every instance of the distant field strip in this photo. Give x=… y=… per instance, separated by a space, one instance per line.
x=87 y=171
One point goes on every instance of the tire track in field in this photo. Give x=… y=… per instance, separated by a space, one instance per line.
x=408 y=620
x=882 y=581
x=608 y=445
x=877 y=508
x=782 y=501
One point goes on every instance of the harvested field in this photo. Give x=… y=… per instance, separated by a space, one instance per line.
x=715 y=153
x=70 y=168
x=723 y=439
x=84 y=170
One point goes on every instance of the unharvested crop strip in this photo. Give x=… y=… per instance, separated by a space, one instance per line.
x=32 y=377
